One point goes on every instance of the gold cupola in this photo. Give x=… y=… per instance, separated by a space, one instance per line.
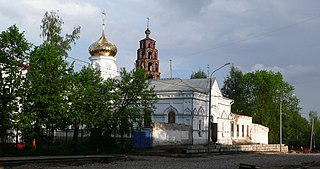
x=103 y=47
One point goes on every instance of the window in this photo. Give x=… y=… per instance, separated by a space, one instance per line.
x=200 y=128
x=237 y=130
x=149 y=55
x=248 y=130
x=149 y=45
x=232 y=129
x=222 y=129
x=242 y=130
x=171 y=117
x=149 y=66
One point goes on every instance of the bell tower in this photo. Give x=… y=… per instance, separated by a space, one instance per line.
x=147 y=56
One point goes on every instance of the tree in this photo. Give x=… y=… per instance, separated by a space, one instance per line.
x=86 y=99
x=233 y=87
x=51 y=32
x=200 y=74
x=14 y=50
x=45 y=101
x=259 y=94
x=132 y=103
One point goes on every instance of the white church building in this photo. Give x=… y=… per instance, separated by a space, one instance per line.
x=186 y=102
x=182 y=111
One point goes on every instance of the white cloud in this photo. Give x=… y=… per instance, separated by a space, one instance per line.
x=291 y=71
x=28 y=14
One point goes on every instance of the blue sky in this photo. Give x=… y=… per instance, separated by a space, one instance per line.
x=253 y=35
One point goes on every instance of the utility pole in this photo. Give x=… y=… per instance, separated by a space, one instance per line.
x=208 y=69
x=170 y=68
x=281 y=100
x=312 y=126
x=313 y=116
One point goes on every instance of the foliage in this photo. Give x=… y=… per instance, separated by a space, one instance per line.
x=13 y=56
x=200 y=74
x=45 y=96
x=234 y=88
x=52 y=33
x=88 y=99
x=259 y=94
x=132 y=102
x=46 y=84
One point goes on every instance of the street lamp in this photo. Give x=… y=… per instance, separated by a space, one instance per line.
x=281 y=100
x=210 y=88
x=280 y=133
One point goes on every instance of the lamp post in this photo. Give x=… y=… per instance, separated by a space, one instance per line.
x=210 y=88
x=280 y=132
x=281 y=100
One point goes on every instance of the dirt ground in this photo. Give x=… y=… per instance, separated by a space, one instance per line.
x=227 y=161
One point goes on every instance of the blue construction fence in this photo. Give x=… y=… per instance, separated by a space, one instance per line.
x=142 y=139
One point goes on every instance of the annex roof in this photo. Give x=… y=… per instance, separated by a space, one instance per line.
x=176 y=84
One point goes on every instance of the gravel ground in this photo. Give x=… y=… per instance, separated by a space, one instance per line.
x=229 y=161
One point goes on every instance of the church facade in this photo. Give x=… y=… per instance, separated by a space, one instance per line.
x=186 y=101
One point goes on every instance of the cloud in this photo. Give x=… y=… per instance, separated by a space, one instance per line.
x=28 y=14
x=292 y=72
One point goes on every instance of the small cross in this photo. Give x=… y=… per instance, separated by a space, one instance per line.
x=103 y=17
x=148 y=20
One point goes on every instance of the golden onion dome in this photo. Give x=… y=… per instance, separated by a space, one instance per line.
x=103 y=47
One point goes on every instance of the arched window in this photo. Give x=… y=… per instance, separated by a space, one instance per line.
x=149 y=55
x=150 y=66
x=232 y=129
x=171 y=117
x=200 y=129
x=149 y=45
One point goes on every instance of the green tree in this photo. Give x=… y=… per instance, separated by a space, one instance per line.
x=200 y=74
x=14 y=50
x=52 y=33
x=259 y=94
x=86 y=99
x=133 y=102
x=45 y=102
x=233 y=87
x=47 y=79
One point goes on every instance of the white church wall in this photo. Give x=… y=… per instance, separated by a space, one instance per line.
x=106 y=64
x=224 y=133
x=220 y=111
x=171 y=134
x=242 y=126
x=259 y=134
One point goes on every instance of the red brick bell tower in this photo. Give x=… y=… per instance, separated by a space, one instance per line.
x=147 y=56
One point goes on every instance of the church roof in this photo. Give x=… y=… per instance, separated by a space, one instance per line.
x=103 y=47
x=176 y=84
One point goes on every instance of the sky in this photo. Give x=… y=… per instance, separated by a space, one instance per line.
x=252 y=35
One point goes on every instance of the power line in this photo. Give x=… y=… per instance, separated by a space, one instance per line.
x=254 y=36
x=90 y=63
